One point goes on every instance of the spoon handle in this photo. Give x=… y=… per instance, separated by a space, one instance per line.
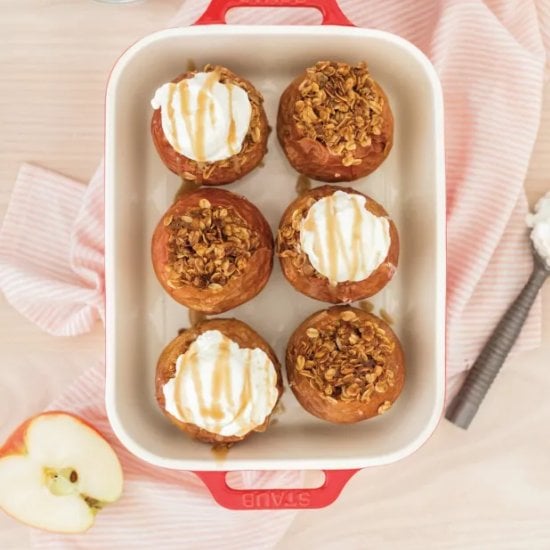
x=486 y=367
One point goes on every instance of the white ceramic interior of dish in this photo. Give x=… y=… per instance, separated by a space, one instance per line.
x=142 y=318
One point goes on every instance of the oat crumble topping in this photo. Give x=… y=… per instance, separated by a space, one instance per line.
x=340 y=108
x=347 y=359
x=288 y=242
x=208 y=246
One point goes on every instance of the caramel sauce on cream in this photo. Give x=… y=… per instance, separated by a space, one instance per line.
x=204 y=102
x=357 y=240
x=190 y=362
x=246 y=393
x=208 y=110
x=171 y=114
x=344 y=236
x=184 y=105
x=232 y=134
x=332 y=247
x=221 y=387
x=212 y=113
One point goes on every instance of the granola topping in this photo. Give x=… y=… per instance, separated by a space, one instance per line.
x=288 y=241
x=347 y=359
x=208 y=246
x=340 y=107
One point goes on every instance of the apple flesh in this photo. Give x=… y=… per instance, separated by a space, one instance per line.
x=56 y=472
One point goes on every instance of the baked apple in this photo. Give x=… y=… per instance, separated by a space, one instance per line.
x=345 y=365
x=209 y=126
x=335 y=122
x=337 y=245
x=212 y=250
x=219 y=381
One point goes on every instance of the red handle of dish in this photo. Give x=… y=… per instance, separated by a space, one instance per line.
x=217 y=10
x=335 y=480
x=276 y=499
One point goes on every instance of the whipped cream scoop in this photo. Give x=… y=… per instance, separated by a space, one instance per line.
x=342 y=239
x=539 y=221
x=203 y=119
x=221 y=387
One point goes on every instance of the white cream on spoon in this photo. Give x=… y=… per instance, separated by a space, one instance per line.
x=539 y=221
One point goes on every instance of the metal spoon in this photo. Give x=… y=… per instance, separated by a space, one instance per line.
x=466 y=403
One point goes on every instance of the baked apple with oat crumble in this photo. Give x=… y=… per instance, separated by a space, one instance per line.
x=335 y=122
x=345 y=365
x=212 y=250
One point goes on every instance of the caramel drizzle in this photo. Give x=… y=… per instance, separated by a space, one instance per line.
x=335 y=241
x=221 y=385
x=171 y=115
x=357 y=240
x=184 y=104
x=196 y=317
x=203 y=101
x=232 y=133
x=212 y=111
x=332 y=245
x=303 y=185
x=246 y=392
x=196 y=128
x=190 y=360
x=220 y=453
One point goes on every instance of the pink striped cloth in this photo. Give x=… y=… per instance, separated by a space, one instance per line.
x=491 y=57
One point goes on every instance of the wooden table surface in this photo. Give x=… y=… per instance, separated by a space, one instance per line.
x=486 y=488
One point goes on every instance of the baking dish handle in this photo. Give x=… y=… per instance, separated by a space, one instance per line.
x=217 y=10
x=276 y=499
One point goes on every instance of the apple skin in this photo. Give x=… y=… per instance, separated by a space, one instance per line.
x=16 y=445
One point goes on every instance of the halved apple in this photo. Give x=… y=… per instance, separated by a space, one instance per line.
x=57 y=472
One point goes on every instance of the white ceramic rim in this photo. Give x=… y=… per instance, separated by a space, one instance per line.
x=440 y=290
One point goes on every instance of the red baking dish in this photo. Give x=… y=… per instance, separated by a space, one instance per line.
x=141 y=318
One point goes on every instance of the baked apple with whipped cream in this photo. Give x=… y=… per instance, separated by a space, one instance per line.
x=335 y=122
x=212 y=250
x=209 y=126
x=337 y=245
x=219 y=381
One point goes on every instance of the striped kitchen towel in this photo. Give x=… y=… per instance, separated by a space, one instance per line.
x=491 y=58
